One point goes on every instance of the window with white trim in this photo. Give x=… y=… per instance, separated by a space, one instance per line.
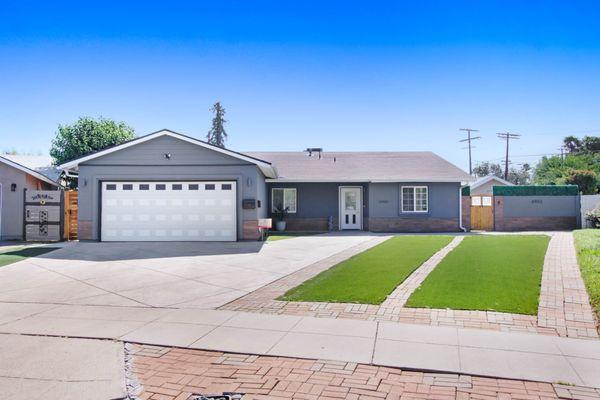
x=414 y=199
x=282 y=198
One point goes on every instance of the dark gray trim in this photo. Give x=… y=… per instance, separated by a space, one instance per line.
x=99 y=229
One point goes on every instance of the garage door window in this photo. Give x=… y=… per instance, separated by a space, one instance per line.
x=177 y=186
x=193 y=187
x=209 y=187
x=144 y=187
x=161 y=187
x=128 y=186
x=226 y=186
x=111 y=187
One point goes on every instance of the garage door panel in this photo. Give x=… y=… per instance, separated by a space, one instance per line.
x=169 y=211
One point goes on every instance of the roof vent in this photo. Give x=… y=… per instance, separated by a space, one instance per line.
x=311 y=150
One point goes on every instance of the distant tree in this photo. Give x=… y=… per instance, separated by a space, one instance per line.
x=521 y=176
x=590 y=144
x=586 y=180
x=487 y=168
x=217 y=135
x=87 y=135
x=572 y=144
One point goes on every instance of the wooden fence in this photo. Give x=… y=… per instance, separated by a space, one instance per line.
x=70 y=217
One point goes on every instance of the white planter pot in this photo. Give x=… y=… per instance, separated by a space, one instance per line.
x=280 y=226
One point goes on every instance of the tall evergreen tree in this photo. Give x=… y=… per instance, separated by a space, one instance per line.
x=217 y=135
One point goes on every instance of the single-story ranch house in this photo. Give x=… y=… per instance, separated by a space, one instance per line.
x=166 y=186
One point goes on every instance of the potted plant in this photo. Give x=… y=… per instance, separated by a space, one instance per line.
x=280 y=214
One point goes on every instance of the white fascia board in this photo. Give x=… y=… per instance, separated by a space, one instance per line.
x=266 y=168
x=29 y=171
x=417 y=180
x=284 y=180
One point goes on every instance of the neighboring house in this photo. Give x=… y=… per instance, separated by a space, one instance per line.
x=16 y=174
x=485 y=185
x=170 y=187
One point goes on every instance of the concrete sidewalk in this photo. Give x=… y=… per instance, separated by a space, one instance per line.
x=37 y=367
x=449 y=349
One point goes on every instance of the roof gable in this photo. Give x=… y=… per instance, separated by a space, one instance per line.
x=28 y=171
x=267 y=169
x=490 y=178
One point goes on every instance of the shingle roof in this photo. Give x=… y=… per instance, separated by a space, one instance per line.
x=363 y=167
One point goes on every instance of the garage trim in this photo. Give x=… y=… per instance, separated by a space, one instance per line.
x=190 y=180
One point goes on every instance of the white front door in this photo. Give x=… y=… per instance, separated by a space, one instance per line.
x=168 y=211
x=350 y=208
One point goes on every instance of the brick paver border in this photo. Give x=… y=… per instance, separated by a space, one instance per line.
x=564 y=308
x=174 y=374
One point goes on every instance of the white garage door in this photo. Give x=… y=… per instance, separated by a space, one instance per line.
x=168 y=211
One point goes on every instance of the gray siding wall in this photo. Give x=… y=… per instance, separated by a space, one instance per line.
x=146 y=161
x=12 y=202
x=384 y=200
x=541 y=206
x=319 y=200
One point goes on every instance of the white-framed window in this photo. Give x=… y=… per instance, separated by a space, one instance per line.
x=414 y=199
x=284 y=198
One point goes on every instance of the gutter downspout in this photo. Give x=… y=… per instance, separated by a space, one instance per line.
x=460 y=223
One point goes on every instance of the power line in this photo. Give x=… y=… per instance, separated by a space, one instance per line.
x=508 y=136
x=469 y=139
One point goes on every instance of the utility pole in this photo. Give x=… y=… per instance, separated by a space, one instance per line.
x=508 y=136
x=469 y=139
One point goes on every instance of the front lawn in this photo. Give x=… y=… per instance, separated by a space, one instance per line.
x=587 y=244
x=496 y=273
x=369 y=277
x=20 y=253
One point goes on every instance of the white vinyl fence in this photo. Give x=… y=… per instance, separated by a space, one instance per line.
x=588 y=203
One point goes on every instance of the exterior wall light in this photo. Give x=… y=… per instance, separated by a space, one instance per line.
x=168 y=156
x=13 y=187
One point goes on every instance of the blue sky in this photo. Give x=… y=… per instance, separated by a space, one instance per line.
x=339 y=75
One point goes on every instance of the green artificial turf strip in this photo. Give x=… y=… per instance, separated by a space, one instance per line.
x=369 y=277
x=20 y=253
x=587 y=243
x=498 y=273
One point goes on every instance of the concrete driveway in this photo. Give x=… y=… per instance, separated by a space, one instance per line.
x=177 y=275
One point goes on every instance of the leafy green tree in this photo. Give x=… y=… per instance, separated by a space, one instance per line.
x=555 y=170
x=586 y=180
x=87 y=135
x=217 y=135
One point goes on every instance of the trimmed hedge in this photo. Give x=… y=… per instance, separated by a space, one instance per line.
x=466 y=190
x=533 y=190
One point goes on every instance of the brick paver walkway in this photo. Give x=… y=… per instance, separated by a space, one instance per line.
x=174 y=374
x=564 y=305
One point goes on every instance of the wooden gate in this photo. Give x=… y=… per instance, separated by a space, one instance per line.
x=482 y=213
x=70 y=217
